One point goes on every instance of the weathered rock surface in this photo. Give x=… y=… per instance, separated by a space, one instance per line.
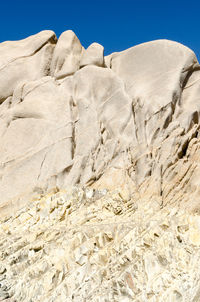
x=25 y=60
x=125 y=129
x=93 y=55
x=92 y=245
x=132 y=121
x=67 y=55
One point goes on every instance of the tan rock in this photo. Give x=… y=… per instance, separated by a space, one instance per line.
x=25 y=60
x=67 y=54
x=144 y=130
x=98 y=171
x=93 y=55
x=75 y=261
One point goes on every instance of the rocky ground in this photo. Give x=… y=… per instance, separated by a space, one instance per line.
x=93 y=245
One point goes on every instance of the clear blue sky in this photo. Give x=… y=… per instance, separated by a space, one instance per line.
x=115 y=24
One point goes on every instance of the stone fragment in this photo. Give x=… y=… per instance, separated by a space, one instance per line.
x=89 y=193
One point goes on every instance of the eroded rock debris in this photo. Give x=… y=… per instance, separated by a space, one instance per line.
x=93 y=245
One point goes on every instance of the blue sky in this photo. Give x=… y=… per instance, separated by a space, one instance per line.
x=115 y=24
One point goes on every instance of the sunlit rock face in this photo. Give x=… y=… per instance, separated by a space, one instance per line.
x=71 y=116
x=117 y=137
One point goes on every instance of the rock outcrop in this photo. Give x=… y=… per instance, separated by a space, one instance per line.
x=91 y=245
x=70 y=116
x=66 y=56
x=24 y=61
x=117 y=138
x=93 y=55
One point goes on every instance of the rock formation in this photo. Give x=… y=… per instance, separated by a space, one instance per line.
x=69 y=118
x=93 y=245
x=74 y=119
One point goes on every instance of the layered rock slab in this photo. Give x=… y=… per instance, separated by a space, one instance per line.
x=92 y=245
